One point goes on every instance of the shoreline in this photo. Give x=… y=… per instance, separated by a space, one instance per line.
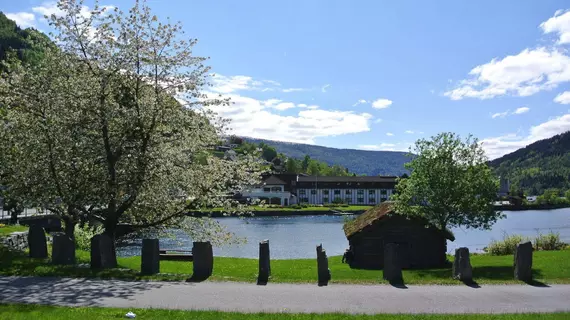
x=290 y=213
x=278 y=213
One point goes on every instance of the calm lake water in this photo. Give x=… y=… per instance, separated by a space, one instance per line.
x=296 y=237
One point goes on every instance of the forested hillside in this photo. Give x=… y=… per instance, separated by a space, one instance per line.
x=539 y=166
x=25 y=44
x=371 y=163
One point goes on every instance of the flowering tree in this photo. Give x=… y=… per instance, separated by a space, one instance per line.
x=114 y=125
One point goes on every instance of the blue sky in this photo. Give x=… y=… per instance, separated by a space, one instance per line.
x=378 y=75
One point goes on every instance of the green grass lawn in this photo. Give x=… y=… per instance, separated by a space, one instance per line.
x=18 y=312
x=548 y=267
x=7 y=229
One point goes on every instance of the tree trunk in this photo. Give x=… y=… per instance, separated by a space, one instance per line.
x=69 y=227
x=110 y=255
x=14 y=216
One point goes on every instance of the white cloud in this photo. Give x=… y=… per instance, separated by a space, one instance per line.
x=50 y=7
x=559 y=24
x=409 y=132
x=293 y=89
x=401 y=146
x=325 y=87
x=522 y=110
x=284 y=106
x=523 y=74
x=361 y=101
x=381 y=103
x=23 y=19
x=500 y=114
x=563 y=98
x=389 y=134
x=254 y=118
x=381 y=146
x=378 y=120
x=498 y=146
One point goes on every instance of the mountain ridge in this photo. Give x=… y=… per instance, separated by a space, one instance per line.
x=541 y=165
x=366 y=162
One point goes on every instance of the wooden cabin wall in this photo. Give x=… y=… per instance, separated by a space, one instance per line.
x=426 y=248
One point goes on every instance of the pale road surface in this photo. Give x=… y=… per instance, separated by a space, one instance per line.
x=297 y=298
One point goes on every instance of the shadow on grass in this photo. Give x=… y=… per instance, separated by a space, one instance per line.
x=497 y=273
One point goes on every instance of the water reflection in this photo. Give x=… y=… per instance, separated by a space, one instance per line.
x=297 y=237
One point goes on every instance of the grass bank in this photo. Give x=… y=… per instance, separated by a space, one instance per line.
x=548 y=267
x=19 y=312
x=7 y=229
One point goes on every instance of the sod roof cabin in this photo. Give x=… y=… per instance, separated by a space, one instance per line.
x=420 y=245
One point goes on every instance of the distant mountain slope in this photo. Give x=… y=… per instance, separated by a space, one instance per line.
x=371 y=163
x=539 y=166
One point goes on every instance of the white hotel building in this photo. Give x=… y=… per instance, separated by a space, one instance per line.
x=287 y=189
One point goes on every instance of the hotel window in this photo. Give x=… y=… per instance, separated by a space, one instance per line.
x=325 y=192
x=360 y=200
x=360 y=191
x=371 y=192
x=276 y=189
x=348 y=200
x=383 y=191
x=313 y=191
x=301 y=191
x=304 y=200
x=266 y=189
x=337 y=192
x=325 y=200
x=371 y=200
x=348 y=192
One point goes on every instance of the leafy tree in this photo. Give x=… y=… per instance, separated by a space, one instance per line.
x=550 y=196
x=305 y=163
x=268 y=153
x=450 y=184
x=292 y=166
x=567 y=195
x=235 y=140
x=95 y=131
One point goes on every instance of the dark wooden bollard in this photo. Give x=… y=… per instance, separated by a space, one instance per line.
x=62 y=250
x=523 y=261
x=150 y=257
x=264 y=263
x=392 y=267
x=203 y=265
x=324 y=273
x=102 y=252
x=37 y=242
x=462 y=269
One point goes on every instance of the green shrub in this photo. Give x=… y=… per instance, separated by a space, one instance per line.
x=542 y=242
x=296 y=206
x=84 y=234
x=549 y=241
x=506 y=246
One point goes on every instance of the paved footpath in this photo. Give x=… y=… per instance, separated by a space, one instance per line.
x=298 y=298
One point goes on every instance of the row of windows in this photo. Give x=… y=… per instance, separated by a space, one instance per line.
x=272 y=189
x=347 y=200
x=326 y=192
